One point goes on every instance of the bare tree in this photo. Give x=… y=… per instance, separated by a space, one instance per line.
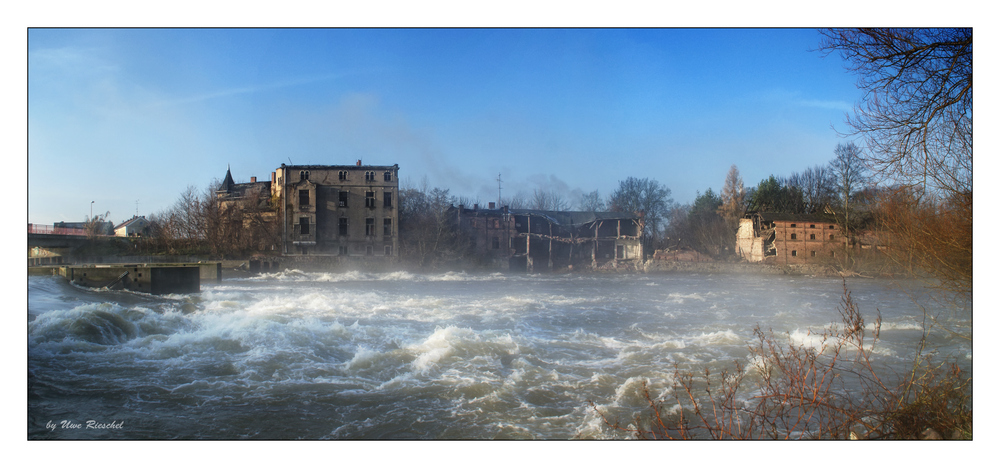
x=646 y=197
x=592 y=201
x=916 y=114
x=849 y=175
x=733 y=199
x=817 y=186
x=548 y=200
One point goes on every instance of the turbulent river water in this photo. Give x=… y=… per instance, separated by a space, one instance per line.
x=411 y=356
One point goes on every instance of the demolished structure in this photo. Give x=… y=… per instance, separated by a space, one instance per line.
x=785 y=239
x=526 y=240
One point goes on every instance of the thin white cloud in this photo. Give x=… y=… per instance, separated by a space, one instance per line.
x=835 y=105
x=249 y=89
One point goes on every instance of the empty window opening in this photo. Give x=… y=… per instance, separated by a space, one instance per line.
x=343 y=199
x=795 y=253
x=831 y=236
x=496 y=243
x=369 y=199
x=303 y=226
x=342 y=175
x=369 y=226
x=303 y=197
x=388 y=251
x=812 y=236
x=370 y=176
x=342 y=227
x=387 y=227
x=793 y=236
x=793 y=224
x=387 y=176
x=812 y=225
x=387 y=199
x=812 y=254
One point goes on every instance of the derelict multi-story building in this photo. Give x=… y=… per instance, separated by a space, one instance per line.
x=787 y=239
x=346 y=211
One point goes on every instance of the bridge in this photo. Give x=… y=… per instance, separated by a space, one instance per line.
x=47 y=244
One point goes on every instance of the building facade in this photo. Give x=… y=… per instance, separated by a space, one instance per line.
x=346 y=211
x=789 y=239
x=534 y=240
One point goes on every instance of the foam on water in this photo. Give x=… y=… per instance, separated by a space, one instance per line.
x=368 y=355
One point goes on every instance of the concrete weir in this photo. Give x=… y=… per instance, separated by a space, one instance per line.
x=147 y=278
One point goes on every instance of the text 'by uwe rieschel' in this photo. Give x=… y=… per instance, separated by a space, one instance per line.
x=89 y=424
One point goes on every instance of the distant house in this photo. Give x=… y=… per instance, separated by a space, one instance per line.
x=785 y=239
x=536 y=240
x=137 y=226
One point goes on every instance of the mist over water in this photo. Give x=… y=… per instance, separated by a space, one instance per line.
x=402 y=355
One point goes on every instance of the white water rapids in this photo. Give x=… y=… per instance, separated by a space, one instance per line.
x=410 y=356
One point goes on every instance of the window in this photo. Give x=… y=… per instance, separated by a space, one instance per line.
x=496 y=243
x=370 y=176
x=369 y=226
x=369 y=199
x=387 y=199
x=303 y=226
x=620 y=251
x=303 y=175
x=812 y=225
x=793 y=224
x=387 y=227
x=387 y=176
x=343 y=199
x=831 y=227
x=812 y=254
x=812 y=237
x=342 y=250
x=496 y=224
x=388 y=251
x=831 y=236
x=369 y=250
x=342 y=227
x=795 y=253
x=793 y=236
x=342 y=175
x=303 y=197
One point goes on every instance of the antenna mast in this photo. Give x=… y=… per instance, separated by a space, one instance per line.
x=499 y=190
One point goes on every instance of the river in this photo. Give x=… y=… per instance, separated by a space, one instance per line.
x=402 y=355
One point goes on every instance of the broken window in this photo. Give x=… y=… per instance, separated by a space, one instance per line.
x=369 y=199
x=303 y=197
x=812 y=225
x=795 y=253
x=342 y=227
x=831 y=236
x=369 y=226
x=303 y=226
x=387 y=227
x=496 y=224
x=793 y=235
x=812 y=236
x=812 y=254
x=343 y=199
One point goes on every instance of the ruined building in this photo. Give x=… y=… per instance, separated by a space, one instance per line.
x=784 y=239
x=347 y=211
x=535 y=240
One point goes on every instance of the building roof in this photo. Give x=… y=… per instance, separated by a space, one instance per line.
x=129 y=222
x=819 y=217
x=337 y=167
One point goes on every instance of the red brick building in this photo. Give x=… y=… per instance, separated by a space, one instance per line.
x=787 y=239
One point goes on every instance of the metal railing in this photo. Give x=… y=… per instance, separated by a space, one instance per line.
x=50 y=229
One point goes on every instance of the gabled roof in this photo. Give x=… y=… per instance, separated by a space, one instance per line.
x=131 y=221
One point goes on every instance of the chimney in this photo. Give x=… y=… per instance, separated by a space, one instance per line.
x=253 y=179
x=359 y=162
x=493 y=205
x=273 y=177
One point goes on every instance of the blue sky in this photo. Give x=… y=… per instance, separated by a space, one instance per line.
x=118 y=116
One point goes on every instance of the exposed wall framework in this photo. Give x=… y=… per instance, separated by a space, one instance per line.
x=535 y=240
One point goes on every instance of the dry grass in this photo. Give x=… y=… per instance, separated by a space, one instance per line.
x=830 y=390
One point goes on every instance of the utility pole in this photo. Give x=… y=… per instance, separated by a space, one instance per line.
x=499 y=191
